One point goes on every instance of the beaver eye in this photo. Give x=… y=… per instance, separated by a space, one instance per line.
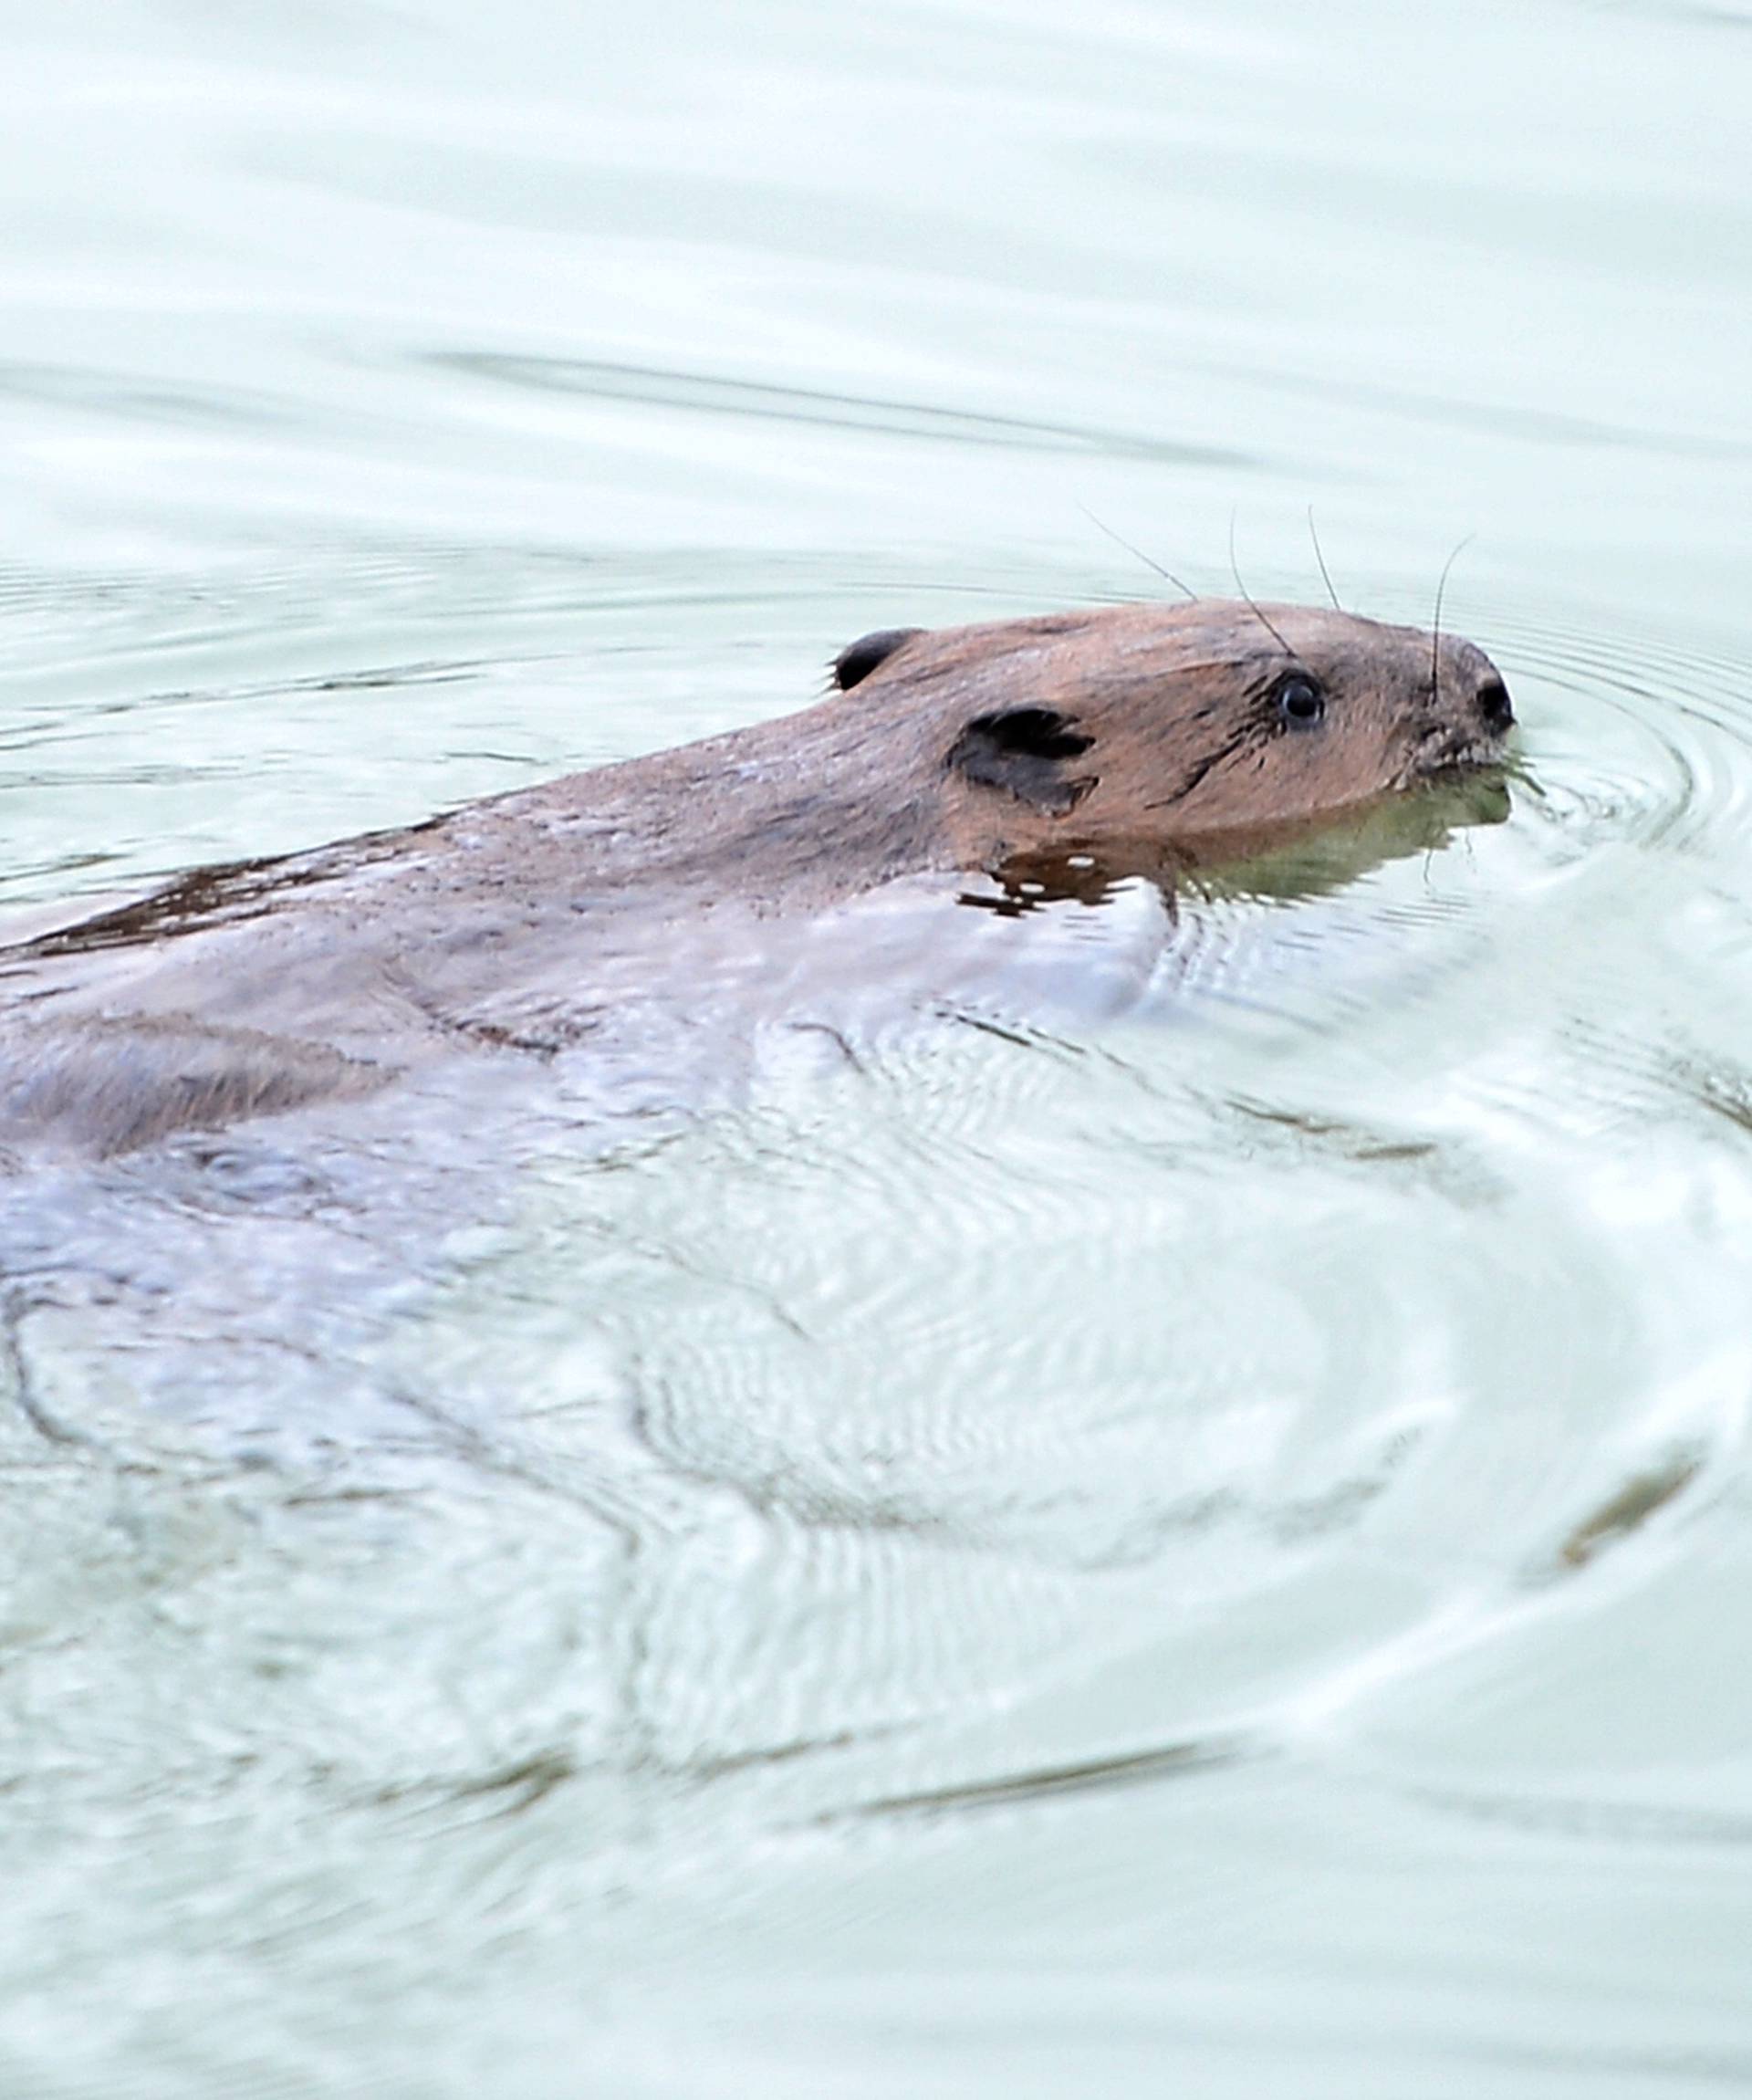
x=1300 y=702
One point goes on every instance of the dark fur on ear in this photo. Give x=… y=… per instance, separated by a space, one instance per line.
x=858 y=659
x=1021 y=752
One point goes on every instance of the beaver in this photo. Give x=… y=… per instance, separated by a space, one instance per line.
x=1074 y=747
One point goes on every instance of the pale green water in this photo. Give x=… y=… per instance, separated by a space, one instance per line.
x=1210 y=1554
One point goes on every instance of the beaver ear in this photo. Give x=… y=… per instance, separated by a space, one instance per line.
x=858 y=659
x=1022 y=751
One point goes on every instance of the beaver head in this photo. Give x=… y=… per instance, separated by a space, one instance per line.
x=1150 y=734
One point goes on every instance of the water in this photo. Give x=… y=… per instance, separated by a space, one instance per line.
x=1209 y=1552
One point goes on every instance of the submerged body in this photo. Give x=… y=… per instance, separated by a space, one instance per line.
x=1049 y=754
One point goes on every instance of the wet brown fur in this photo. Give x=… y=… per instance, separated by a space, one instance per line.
x=1142 y=739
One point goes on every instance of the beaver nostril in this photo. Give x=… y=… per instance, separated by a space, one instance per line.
x=1494 y=704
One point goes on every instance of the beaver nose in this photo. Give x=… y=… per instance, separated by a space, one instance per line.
x=1493 y=705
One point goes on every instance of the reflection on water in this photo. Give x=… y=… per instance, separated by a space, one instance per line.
x=1170 y=1514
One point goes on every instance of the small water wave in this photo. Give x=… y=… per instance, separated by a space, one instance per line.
x=710 y=394
x=1645 y=739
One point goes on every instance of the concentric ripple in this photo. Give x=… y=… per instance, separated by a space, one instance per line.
x=1643 y=738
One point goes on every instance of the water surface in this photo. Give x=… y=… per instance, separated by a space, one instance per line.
x=1208 y=1549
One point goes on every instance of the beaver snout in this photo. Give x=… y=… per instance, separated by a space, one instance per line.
x=1493 y=705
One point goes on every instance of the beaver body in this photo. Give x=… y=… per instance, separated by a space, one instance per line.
x=1051 y=753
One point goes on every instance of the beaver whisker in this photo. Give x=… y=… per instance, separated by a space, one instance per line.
x=1320 y=558
x=1148 y=561
x=1435 y=624
x=1457 y=754
x=1247 y=598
